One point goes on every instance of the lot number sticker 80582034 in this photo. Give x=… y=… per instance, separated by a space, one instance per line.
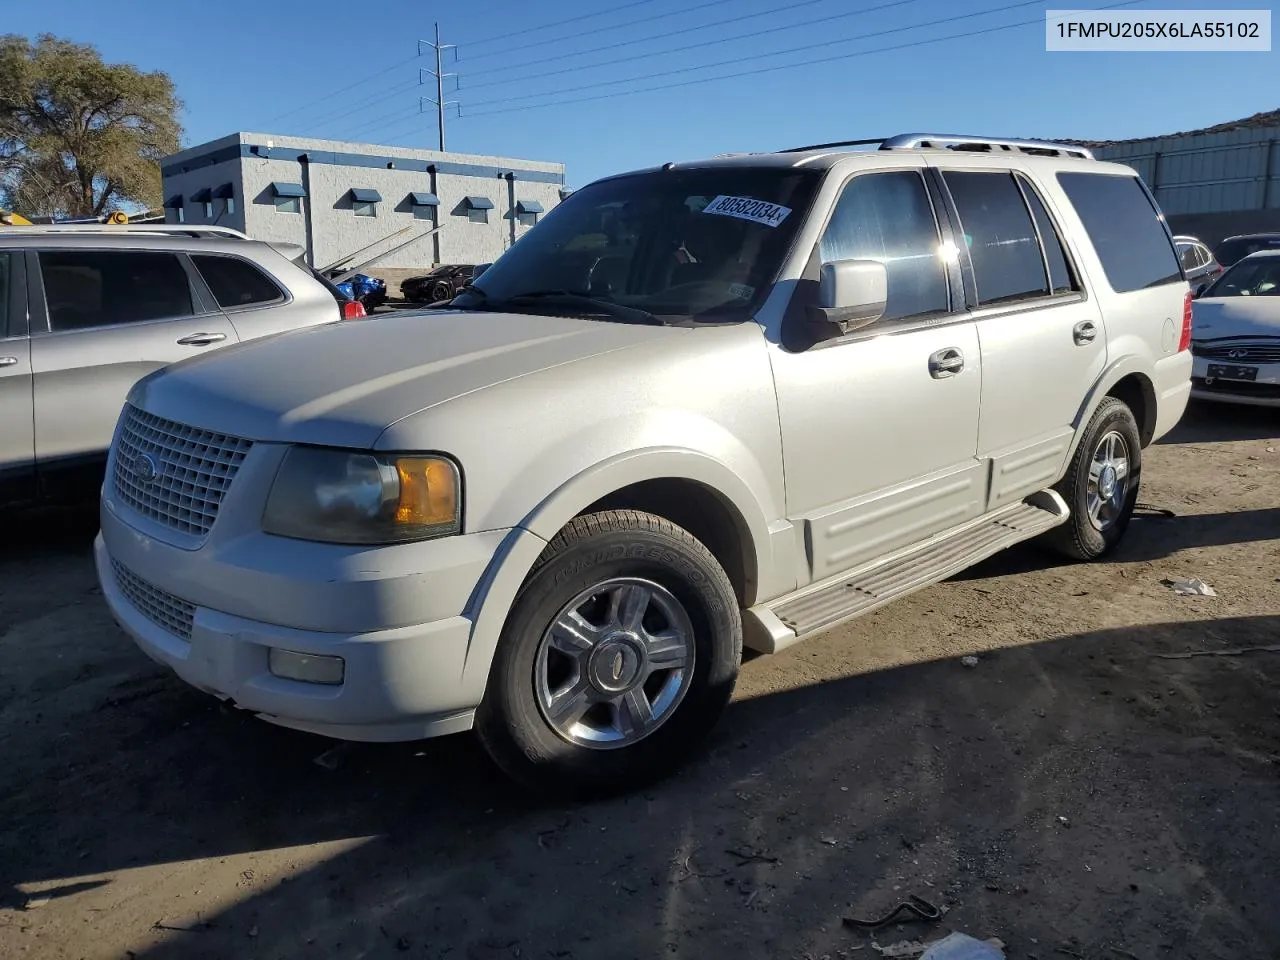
x=744 y=208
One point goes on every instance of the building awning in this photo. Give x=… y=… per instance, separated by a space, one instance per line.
x=288 y=190
x=479 y=203
x=202 y=196
x=529 y=206
x=424 y=200
x=224 y=192
x=365 y=195
x=174 y=202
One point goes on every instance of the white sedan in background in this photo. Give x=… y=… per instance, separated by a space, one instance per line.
x=1236 y=334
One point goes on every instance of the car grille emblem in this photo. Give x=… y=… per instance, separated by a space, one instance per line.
x=1237 y=354
x=145 y=469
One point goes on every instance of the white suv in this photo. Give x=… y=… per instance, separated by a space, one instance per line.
x=736 y=401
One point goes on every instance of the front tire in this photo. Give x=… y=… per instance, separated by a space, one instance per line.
x=1101 y=485
x=619 y=655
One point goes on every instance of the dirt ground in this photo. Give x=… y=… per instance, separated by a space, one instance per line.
x=1074 y=794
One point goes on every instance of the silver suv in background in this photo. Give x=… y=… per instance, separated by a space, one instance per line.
x=721 y=403
x=87 y=310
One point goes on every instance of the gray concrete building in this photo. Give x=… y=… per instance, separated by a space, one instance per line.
x=336 y=198
x=1210 y=183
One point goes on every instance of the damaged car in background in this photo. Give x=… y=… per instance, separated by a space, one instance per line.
x=1236 y=334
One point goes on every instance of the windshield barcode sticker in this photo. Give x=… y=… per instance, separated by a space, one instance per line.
x=744 y=208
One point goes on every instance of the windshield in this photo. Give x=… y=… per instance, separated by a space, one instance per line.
x=1249 y=278
x=703 y=244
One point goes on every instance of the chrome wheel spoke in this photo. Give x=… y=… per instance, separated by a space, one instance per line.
x=1122 y=470
x=634 y=713
x=570 y=702
x=628 y=605
x=667 y=651
x=573 y=636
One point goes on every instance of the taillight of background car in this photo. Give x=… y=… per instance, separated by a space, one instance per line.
x=353 y=310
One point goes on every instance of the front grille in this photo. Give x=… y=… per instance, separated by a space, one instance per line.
x=175 y=474
x=163 y=609
x=1241 y=352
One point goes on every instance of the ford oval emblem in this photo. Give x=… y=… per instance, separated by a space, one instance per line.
x=145 y=469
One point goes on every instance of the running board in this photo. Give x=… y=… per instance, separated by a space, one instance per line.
x=774 y=626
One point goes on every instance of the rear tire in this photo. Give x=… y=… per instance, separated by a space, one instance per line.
x=1101 y=485
x=617 y=659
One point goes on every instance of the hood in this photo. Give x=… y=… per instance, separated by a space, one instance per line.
x=343 y=383
x=1224 y=318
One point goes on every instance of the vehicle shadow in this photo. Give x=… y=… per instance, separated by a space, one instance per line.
x=1222 y=422
x=1082 y=791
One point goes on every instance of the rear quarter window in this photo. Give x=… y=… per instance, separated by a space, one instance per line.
x=1125 y=229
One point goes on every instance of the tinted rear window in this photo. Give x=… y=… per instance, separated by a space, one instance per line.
x=235 y=283
x=1125 y=229
x=1233 y=250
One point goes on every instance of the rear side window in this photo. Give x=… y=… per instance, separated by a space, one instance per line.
x=1061 y=277
x=1002 y=241
x=888 y=217
x=1125 y=229
x=98 y=288
x=234 y=282
x=5 y=292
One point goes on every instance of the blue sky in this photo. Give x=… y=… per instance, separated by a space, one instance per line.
x=350 y=71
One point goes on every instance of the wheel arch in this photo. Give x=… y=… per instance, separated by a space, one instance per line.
x=1127 y=379
x=689 y=488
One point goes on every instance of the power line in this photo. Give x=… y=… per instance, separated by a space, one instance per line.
x=733 y=61
x=342 y=90
x=657 y=36
x=559 y=23
x=692 y=46
x=783 y=66
x=330 y=119
x=631 y=23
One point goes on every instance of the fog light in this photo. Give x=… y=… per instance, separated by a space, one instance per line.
x=307 y=667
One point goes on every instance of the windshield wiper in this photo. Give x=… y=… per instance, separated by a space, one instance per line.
x=567 y=298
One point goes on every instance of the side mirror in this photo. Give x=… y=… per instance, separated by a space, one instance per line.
x=478 y=269
x=851 y=294
x=1199 y=291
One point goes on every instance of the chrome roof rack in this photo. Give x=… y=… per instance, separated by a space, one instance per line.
x=919 y=141
x=177 y=229
x=1044 y=148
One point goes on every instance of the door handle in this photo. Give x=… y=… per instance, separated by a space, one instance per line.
x=202 y=339
x=1084 y=332
x=946 y=363
x=8 y=361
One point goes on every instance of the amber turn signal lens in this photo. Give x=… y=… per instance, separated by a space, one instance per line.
x=428 y=492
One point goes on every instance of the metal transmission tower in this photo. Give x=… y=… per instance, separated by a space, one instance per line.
x=439 y=75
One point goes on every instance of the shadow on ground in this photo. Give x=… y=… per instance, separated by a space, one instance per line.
x=1081 y=792
x=1209 y=422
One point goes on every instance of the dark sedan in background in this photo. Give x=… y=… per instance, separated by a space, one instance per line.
x=443 y=283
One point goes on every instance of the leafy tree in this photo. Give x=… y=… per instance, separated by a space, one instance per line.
x=80 y=137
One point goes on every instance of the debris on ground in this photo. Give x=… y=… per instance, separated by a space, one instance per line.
x=956 y=946
x=35 y=903
x=922 y=908
x=1194 y=587
x=1233 y=652
x=960 y=946
x=969 y=661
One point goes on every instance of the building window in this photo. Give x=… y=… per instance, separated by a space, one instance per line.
x=477 y=208
x=226 y=193
x=364 y=202
x=231 y=205
x=423 y=206
x=527 y=212
x=288 y=197
x=424 y=213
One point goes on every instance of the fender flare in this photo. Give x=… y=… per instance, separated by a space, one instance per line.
x=1116 y=371
x=496 y=591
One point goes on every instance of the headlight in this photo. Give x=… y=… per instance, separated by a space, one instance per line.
x=340 y=496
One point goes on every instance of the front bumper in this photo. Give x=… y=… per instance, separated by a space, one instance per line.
x=1261 y=392
x=200 y=613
